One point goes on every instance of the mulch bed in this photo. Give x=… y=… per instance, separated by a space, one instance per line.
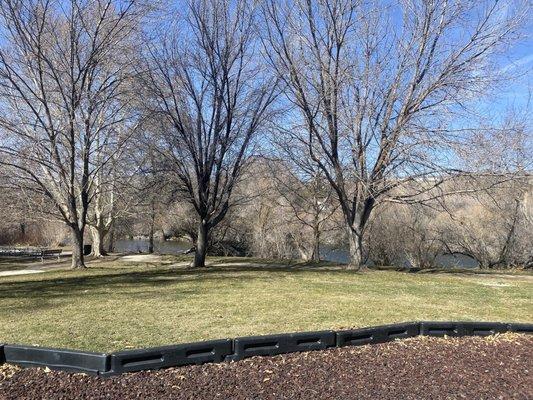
x=497 y=367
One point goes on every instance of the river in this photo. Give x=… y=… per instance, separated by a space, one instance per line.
x=326 y=253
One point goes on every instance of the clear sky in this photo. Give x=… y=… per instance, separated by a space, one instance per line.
x=519 y=64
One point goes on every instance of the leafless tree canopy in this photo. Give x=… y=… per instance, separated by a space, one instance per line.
x=378 y=89
x=273 y=127
x=64 y=68
x=210 y=95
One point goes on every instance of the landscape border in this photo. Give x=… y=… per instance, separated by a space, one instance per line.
x=226 y=350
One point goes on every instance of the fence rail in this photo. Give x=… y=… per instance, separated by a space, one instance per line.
x=226 y=350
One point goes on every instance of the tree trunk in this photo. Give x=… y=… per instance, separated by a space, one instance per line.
x=151 y=239
x=111 y=247
x=77 y=249
x=356 y=250
x=201 y=246
x=152 y=229
x=316 y=244
x=98 y=236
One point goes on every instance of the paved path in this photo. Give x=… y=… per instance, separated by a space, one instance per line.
x=38 y=267
x=141 y=258
x=21 y=272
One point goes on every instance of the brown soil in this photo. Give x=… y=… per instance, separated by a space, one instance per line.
x=498 y=367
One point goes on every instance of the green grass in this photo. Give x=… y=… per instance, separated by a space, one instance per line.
x=117 y=305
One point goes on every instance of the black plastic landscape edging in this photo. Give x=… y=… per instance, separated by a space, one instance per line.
x=170 y=356
x=377 y=334
x=270 y=345
x=60 y=359
x=239 y=348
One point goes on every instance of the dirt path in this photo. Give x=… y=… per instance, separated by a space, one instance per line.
x=423 y=368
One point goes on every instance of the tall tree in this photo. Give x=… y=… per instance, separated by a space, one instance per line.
x=211 y=96
x=64 y=73
x=113 y=195
x=379 y=88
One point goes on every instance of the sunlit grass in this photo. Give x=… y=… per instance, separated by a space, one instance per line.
x=116 y=305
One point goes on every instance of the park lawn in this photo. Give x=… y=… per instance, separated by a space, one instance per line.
x=118 y=305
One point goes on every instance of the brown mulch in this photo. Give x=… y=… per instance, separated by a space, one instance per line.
x=497 y=367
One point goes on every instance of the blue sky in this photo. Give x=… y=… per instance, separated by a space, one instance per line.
x=518 y=62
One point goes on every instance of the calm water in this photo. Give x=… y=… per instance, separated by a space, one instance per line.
x=161 y=247
x=327 y=253
x=443 y=260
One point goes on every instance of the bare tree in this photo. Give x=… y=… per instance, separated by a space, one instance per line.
x=103 y=211
x=495 y=229
x=378 y=86
x=113 y=195
x=305 y=193
x=152 y=190
x=311 y=204
x=64 y=69
x=211 y=95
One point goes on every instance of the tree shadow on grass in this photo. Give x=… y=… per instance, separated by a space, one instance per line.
x=100 y=280
x=135 y=282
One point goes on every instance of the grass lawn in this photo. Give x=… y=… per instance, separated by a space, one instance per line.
x=119 y=304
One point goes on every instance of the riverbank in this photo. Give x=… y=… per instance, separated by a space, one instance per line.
x=339 y=254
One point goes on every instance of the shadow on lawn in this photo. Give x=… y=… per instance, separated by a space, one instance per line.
x=101 y=280
x=133 y=282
